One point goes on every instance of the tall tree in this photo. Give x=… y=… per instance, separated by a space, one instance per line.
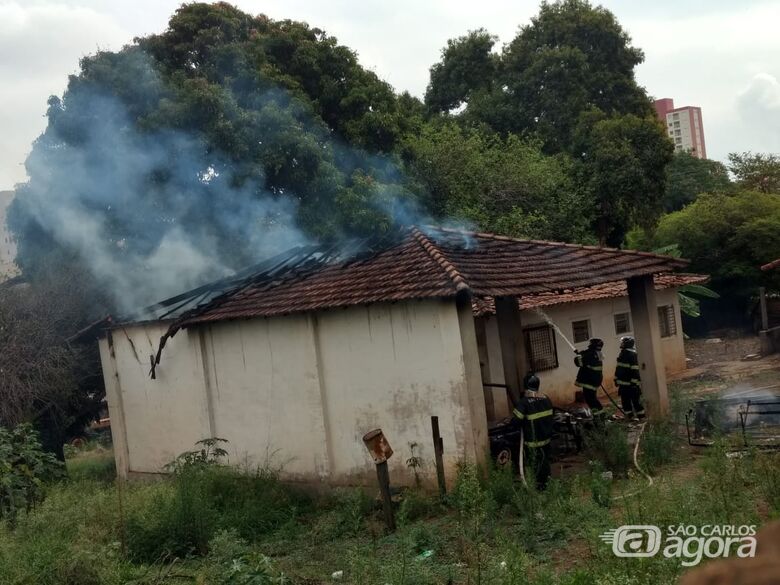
x=195 y=151
x=567 y=79
x=468 y=65
x=573 y=57
x=622 y=161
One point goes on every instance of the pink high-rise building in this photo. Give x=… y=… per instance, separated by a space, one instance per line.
x=684 y=126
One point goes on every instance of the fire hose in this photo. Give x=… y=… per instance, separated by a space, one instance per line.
x=639 y=469
x=615 y=404
x=522 y=458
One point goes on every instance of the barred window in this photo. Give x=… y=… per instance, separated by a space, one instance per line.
x=580 y=331
x=666 y=321
x=540 y=348
x=622 y=323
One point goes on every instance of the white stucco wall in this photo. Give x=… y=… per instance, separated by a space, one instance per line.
x=558 y=383
x=299 y=392
x=163 y=417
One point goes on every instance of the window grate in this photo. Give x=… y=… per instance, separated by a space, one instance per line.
x=580 y=331
x=622 y=323
x=666 y=321
x=541 y=348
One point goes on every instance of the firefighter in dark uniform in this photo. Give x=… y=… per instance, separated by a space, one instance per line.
x=590 y=374
x=535 y=412
x=627 y=379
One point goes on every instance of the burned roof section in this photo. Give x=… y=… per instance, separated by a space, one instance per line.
x=431 y=263
x=413 y=263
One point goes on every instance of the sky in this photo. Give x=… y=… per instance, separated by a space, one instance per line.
x=721 y=55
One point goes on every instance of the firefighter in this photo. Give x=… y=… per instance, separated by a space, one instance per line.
x=627 y=379
x=590 y=374
x=535 y=412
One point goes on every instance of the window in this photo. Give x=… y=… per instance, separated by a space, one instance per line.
x=580 y=330
x=540 y=348
x=622 y=323
x=666 y=321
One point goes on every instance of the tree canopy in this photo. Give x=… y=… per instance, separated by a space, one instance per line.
x=729 y=237
x=688 y=176
x=225 y=137
x=566 y=79
x=759 y=172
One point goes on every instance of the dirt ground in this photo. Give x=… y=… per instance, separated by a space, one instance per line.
x=731 y=360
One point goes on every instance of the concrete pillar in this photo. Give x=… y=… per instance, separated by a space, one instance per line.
x=764 y=311
x=484 y=366
x=510 y=333
x=116 y=408
x=644 y=316
x=475 y=398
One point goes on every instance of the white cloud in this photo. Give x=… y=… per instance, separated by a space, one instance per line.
x=40 y=44
x=759 y=108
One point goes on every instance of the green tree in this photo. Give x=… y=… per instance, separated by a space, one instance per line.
x=567 y=79
x=756 y=172
x=622 y=161
x=226 y=126
x=687 y=176
x=573 y=57
x=468 y=65
x=501 y=184
x=729 y=237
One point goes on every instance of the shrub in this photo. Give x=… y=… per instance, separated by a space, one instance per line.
x=658 y=446
x=608 y=444
x=231 y=560
x=24 y=469
x=204 y=496
x=344 y=515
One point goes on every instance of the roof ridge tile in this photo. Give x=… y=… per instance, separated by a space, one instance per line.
x=438 y=257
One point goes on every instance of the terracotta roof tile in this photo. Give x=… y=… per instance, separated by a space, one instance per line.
x=435 y=262
x=486 y=305
x=771 y=265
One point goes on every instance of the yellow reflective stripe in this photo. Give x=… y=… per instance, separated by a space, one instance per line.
x=541 y=414
x=537 y=443
x=584 y=385
x=636 y=367
x=624 y=365
x=596 y=368
x=518 y=414
x=622 y=383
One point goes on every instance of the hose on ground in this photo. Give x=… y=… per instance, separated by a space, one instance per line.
x=522 y=458
x=638 y=468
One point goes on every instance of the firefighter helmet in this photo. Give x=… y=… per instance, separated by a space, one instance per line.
x=531 y=382
x=596 y=343
x=627 y=342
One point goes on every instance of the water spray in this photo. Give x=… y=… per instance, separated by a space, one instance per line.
x=557 y=329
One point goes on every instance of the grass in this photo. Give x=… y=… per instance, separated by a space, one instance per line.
x=214 y=525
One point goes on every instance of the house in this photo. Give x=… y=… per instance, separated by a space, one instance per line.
x=601 y=311
x=295 y=359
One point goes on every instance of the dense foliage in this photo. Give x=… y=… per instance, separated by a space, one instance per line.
x=729 y=237
x=688 y=176
x=24 y=469
x=567 y=79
